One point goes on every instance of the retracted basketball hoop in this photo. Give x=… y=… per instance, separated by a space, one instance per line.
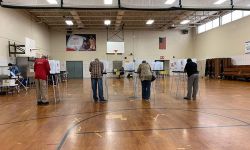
x=115 y=51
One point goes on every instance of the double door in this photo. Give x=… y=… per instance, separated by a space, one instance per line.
x=75 y=69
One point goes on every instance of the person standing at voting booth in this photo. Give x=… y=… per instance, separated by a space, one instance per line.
x=145 y=74
x=96 y=70
x=42 y=70
x=193 y=79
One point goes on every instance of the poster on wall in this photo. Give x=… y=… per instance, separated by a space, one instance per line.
x=162 y=43
x=247 y=47
x=81 y=42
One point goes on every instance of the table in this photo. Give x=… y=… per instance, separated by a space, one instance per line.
x=9 y=87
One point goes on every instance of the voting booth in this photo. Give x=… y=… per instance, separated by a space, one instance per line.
x=179 y=77
x=179 y=64
x=55 y=76
x=54 y=66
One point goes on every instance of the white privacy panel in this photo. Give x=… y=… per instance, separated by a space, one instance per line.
x=54 y=66
x=179 y=64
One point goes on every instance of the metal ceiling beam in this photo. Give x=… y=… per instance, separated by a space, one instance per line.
x=120 y=7
x=32 y=16
x=47 y=16
x=125 y=20
x=102 y=27
x=125 y=8
x=175 y=21
x=95 y=25
x=77 y=18
x=66 y=10
x=118 y=21
x=101 y=16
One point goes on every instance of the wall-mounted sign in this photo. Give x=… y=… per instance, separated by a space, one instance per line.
x=162 y=57
x=247 y=47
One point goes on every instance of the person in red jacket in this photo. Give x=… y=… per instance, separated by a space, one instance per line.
x=42 y=70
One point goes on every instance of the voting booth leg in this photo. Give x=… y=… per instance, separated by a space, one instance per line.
x=54 y=91
x=135 y=88
x=172 y=82
x=58 y=88
x=21 y=84
x=184 y=84
x=91 y=89
x=177 y=85
x=106 y=87
x=180 y=81
x=153 y=90
x=135 y=85
x=47 y=87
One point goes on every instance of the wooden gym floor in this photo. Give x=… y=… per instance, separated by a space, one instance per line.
x=218 y=120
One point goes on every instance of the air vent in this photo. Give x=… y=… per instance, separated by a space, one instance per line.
x=184 y=31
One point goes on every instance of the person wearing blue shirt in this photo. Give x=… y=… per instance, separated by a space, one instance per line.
x=13 y=69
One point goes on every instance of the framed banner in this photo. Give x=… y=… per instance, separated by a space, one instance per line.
x=81 y=42
x=162 y=43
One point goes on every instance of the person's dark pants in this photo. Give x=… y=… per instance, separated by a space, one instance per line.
x=94 y=83
x=146 y=84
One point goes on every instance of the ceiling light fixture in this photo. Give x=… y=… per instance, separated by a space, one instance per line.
x=54 y=2
x=107 y=22
x=219 y=2
x=69 y=22
x=150 y=21
x=185 y=22
x=169 y=2
x=108 y=2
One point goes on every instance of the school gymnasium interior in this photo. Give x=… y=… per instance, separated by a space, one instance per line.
x=215 y=34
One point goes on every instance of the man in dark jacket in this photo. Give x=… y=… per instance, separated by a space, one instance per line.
x=42 y=70
x=193 y=79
